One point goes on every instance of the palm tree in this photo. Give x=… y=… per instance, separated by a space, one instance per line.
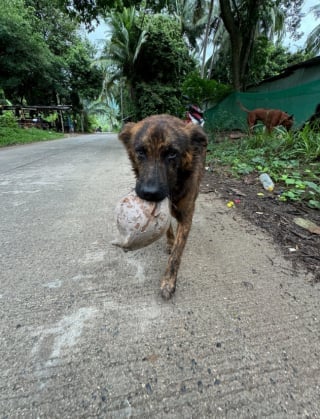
x=124 y=46
x=196 y=20
x=313 y=40
x=120 y=54
x=206 y=38
x=192 y=15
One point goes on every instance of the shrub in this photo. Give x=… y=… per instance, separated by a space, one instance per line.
x=203 y=91
x=8 y=120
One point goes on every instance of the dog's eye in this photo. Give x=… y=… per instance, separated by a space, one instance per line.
x=140 y=153
x=171 y=155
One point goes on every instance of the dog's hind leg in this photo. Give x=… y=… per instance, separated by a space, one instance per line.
x=168 y=282
x=251 y=122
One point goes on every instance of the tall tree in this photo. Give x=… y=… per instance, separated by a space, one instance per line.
x=159 y=76
x=27 y=65
x=122 y=50
x=43 y=55
x=241 y=26
x=206 y=38
x=197 y=19
x=192 y=16
x=242 y=19
x=153 y=79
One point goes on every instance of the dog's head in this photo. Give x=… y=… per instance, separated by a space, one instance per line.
x=287 y=121
x=164 y=152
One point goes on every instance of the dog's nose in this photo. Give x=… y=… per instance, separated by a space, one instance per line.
x=151 y=192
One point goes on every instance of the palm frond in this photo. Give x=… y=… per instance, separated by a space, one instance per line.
x=313 y=41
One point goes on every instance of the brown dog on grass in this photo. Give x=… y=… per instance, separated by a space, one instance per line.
x=269 y=117
x=168 y=159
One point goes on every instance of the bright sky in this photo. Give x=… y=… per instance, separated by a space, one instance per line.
x=99 y=34
x=308 y=23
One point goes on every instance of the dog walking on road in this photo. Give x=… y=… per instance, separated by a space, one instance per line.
x=168 y=158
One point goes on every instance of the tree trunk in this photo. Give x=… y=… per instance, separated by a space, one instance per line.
x=206 y=39
x=235 y=35
x=241 y=29
x=236 y=48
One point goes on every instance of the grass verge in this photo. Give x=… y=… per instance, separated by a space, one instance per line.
x=13 y=135
x=291 y=159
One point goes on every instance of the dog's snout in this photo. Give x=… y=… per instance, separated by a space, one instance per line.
x=151 y=192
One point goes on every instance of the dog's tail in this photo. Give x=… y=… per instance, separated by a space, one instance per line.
x=242 y=107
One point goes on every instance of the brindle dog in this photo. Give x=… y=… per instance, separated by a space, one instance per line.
x=168 y=157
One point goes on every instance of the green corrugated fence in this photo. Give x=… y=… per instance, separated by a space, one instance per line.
x=300 y=101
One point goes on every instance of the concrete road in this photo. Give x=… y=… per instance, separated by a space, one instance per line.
x=84 y=331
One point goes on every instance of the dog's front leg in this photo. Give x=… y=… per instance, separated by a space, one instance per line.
x=168 y=282
x=170 y=239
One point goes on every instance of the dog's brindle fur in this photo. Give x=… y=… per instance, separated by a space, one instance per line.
x=168 y=158
x=269 y=117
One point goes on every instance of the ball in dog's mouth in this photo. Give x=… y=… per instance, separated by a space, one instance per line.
x=140 y=222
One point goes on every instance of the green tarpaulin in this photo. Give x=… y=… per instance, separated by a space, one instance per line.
x=300 y=101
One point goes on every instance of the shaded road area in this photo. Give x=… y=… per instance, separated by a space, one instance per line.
x=83 y=329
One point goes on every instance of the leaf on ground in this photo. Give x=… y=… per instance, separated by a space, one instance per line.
x=237 y=192
x=307 y=224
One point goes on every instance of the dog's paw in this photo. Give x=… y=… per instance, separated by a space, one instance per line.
x=167 y=291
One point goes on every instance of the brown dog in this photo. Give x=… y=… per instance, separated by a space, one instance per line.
x=168 y=158
x=269 y=117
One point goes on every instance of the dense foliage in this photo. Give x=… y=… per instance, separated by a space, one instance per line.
x=159 y=77
x=204 y=91
x=27 y=65
x=206 y=24
x=152 y=82
x=44 y=60
x=150 y=59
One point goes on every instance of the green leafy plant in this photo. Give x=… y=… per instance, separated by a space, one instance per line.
x=8 y=120
x=299 y=190
x=242 y=168
x=203 y=91
x=291 y=159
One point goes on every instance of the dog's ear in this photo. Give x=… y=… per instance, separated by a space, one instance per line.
x=197 y=136
x=126 y=133
x=291 y=117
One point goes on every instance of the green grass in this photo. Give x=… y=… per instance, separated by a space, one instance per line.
x=291 y=159
x=13 y=136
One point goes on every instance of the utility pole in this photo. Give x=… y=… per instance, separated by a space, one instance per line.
x=60 y=113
